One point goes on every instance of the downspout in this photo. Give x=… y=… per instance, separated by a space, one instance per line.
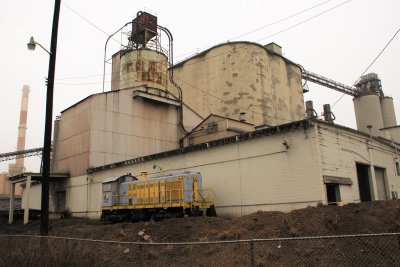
x=171 y=78
x=372 y=169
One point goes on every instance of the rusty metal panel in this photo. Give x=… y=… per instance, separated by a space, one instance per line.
x=144 y=27
x=141 y=67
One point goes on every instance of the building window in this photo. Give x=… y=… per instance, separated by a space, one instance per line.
x=212 y=128
x=398 y=168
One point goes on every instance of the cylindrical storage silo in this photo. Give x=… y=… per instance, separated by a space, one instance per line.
x=143 y=67
x=368 y=112
x=388 y=113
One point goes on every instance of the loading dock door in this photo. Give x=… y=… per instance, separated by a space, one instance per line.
x=380 y=183
x=363 y=182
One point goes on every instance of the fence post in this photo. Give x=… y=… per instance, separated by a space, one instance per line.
x=141 y=256
x=252 y=264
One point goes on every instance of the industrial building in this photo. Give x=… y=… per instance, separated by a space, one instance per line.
x=235 y=113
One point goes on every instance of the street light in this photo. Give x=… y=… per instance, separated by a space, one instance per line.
x=32 y=45
x=44 y=213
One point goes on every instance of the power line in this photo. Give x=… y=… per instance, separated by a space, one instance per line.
x=370 y=65
x=297 y=24
x=278 y=21
x=304 y=21
x=265 y=26
x=88 y=21
x=239 y=47
x=84 y=18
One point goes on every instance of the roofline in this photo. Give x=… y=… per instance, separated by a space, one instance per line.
x=236 y=42
x=305 y=123
x=210 y=115
x=84 y=99
x=381 y=140
x=215 y=143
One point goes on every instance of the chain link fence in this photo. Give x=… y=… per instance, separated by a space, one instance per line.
x=349 y=250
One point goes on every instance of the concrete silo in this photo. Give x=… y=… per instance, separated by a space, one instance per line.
x=372 y=108
x=368 y=112
x=388 y=113
x=242 y=77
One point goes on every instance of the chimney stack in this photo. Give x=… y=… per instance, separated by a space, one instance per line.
x=22 y=126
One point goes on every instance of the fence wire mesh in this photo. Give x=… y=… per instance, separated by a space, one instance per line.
x=350 y=250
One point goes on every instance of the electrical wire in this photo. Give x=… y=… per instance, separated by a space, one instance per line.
x=370 y=65
x=297 y=24
x=304 y=21
x=265 y=26
x=84 y=18
x=88 y=21
x=279 y=32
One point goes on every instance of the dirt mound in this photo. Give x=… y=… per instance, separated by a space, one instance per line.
x=372 y=217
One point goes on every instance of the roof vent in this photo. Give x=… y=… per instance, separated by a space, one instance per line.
x=273 y=47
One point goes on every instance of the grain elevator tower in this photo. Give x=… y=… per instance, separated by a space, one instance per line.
x=143 y=61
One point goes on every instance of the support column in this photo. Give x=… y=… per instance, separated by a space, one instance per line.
x=372 y=172
x=11 y=210
x=26 y=196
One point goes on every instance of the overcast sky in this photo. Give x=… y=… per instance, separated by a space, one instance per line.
x=337 y=39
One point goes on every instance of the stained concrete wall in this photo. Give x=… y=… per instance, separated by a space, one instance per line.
x=242 y=77
x=340 y=150
x=259 y=173
x=35 y=197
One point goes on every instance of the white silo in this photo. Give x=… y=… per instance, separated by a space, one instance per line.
x=368 y=112
x=388 y=113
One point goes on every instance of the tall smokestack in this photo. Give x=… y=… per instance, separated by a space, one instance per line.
x=22 y=126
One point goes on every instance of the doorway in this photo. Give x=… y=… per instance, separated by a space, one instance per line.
x=60 y=201
x=333 y=194
x=364 y=185
x=381 y=183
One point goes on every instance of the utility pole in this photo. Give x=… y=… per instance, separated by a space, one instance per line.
x=44 y=215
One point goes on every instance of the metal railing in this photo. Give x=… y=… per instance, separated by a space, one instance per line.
x=347 y=250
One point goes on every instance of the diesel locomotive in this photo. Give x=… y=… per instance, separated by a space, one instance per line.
x=128 y=198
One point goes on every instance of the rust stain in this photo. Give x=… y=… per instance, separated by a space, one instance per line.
x=139 y=65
